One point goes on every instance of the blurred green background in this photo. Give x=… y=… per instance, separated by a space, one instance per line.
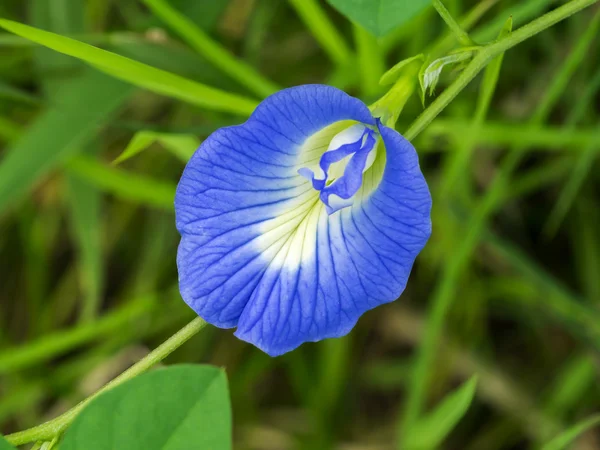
x=509 y=282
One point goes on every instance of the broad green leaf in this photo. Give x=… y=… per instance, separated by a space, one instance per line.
x=177 y=408
x=5 y=445
x=431 y=430
x=60 y=132
x=123 y=184
x=380 y=16
x=134 y=72
x=563 y=440
x=181 y=145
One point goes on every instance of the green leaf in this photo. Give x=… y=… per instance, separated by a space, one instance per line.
x=562 y=441
x=123 y=184
x=380 y=16
x=430 y=431
x=215 y=53
x=5 y=445
x=68 y=17
x=177 y=408
x=429 y=77
x=60 y=132
x=137 y=73
x=393 y=74
x=181 y=145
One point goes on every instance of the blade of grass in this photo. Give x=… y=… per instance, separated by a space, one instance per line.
x=211 y=50
x=586 y=159
x=48 y=347
x=575 y=379
x=445 y=291
x=587 y=246
x=456 y=167
x=125 y=185
x=182 y=146
x=313 y=16
x=12 y=93
x=62 y=17
x=549 y=296
x=567 y=197
x=370 y=61
x=59 y=132
x=544 y=138
x=562 y=441
x=431 y=430
x=85 y=207
x=68 y=17
x=9 y=130
x=134 y=72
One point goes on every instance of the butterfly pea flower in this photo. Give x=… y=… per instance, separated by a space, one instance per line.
x=296 y=222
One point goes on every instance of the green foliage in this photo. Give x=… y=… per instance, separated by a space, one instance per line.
x=429 y=75
x=62 y=131
x=562 y=441
x=134 y=72
x=180 y=407
x=182 y=146
x=392 y=74
x=430 y=431
x=123 y=184
x=212 y=51
x=380 y=16
x=5 y=445
x=88 y=283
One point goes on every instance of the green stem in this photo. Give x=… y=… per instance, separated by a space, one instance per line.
x=370 y=61
x=445 y=290
x=486 y=54
x=211 y=50
x=461 y=35
x=47 y=431
x=314 y=17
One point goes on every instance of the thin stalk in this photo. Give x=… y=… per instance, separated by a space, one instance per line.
x=323 y=30
x=461 y=35
x=219 y=56
x=57 y=426
x=486 y=54
x=370 y=61
x=444 y=292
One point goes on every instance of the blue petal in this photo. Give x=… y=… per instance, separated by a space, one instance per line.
x=258 y=249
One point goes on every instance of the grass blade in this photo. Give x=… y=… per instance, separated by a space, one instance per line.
x=182 y=146
x=60 y=132
x=123 y=184
x=85 y=204
x=430 y=431
x=211 y=50
x=313 y=16
x=134 y=72
x=563 y=440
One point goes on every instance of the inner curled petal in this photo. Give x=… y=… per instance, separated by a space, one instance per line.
x=341 y=167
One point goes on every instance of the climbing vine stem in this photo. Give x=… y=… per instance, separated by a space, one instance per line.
x=486 y=54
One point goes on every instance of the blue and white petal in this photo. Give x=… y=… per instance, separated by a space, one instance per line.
x=298 y=221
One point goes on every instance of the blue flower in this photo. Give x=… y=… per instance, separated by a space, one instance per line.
x=298 y=221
